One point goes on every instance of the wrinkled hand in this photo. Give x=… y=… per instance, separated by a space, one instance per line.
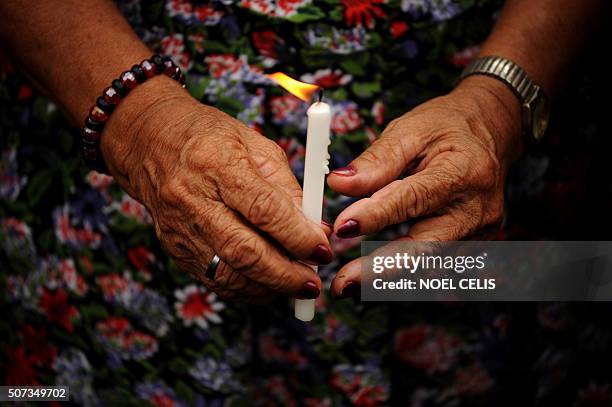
x=455 y=151
x=212 y=185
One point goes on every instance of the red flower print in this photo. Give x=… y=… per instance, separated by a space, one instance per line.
x=431 y=350
x=114 y=326
x=130 y=207
x=272 y=352
x=25 y=92
x=281 y=8
x=67 y=233
x=293 y=150
x=370 y=396
x=347 y=385
x=71 y=278
x=117 y=334
x=56 y=308
x=378 y=112
x=19 y=368
x=86 y=264
x=141 y=257
x=99 y=181
x=326 y=78
x=398 y=28
x=197 y=40
x=226 y=64
x=162 y=400
x=372 y=134
x=465 y=56
x=277 y=386
x=267 y=42
x=358 y=12
x=173 y=46
x=113 y=285
x=207 y=13
x=345 y=117
x=197 y=305
x=471 y=381
x=41 y=352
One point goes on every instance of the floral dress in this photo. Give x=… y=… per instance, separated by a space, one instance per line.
x=90 y=300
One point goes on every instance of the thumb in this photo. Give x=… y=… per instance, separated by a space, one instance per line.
x=380 y=164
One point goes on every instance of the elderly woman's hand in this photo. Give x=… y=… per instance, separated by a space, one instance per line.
x=212 y=185
x=454 y=151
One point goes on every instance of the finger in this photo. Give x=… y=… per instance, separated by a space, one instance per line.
x=271 y=161
x=270 y=209
x=244 y=250
x=380 y=164
x=328 y=228
x=193 y=255
x=347 y=282
x=411 y=197
x=452 y=226
x=349 y=279
x=227 y=283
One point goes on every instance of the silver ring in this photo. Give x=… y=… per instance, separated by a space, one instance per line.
x=212 y=267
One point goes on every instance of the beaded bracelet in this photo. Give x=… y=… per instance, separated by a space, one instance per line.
x=105 y=104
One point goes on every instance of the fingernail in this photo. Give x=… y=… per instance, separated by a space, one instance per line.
x=351 y=289
x=347 y=171
x=350 y=228
x=322 y=254
x=309 y=291
x=326 y=223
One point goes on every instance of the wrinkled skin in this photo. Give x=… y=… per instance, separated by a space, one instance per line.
x=212 y=185
x=454 y=150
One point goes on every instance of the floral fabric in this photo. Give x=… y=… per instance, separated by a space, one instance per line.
x=90 y=300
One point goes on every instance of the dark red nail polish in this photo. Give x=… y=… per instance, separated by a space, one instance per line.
x=350 y=228
x=352 y=289
x=326 y=223
x=308 y=292
x=322 y=254
x=347 y=171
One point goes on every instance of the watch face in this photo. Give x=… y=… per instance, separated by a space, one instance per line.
x=540 y=112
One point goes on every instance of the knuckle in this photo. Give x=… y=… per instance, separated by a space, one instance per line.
x=264 y=210
x=392 y=209
x=460 y=226
x=267 y=156
x=172 y=192
x=282 y=280
x=242 y=250
x=214 y=152
x=230 y=279
x=487 y=172
x=276 y=151
x=176 y=245
x=494 y=212
x=372 y=155
x=417 y=200
x=391 y=126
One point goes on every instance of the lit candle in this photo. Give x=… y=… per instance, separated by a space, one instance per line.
x=315 y=166
x=315 y=169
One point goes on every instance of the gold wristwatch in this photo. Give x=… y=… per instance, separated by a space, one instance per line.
x=534 y=103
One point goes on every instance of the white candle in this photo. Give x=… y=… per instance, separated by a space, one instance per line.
x=315 y=169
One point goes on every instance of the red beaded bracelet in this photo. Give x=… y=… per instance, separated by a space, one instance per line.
x=105 y=104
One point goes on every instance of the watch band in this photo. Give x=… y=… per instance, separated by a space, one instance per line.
x=534 y=103
x=507 y=71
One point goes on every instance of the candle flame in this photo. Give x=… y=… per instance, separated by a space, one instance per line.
x=302 y=90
